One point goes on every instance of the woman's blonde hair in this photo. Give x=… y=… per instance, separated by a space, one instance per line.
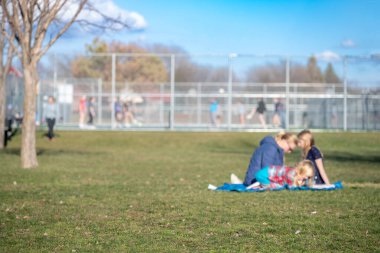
x=305 y=169
x=290 y=137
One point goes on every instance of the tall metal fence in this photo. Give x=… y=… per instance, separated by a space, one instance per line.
x=206 y=92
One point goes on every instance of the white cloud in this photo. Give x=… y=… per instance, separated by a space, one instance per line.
x=348 y=43
x=108 y=8
x=328 y=56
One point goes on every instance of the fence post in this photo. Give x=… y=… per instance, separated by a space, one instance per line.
x=113 y=91
x=39 y=111
x=172 y=76
x=55 y=90
x=100 y=96
x=199 y=101
x=345 y=94
x=287 y=92
x=230 y=60
x=162 y=94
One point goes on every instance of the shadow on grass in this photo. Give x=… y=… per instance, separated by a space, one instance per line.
x=247 y=147
x=50 y=152
x=351 y=157
x=243 y=147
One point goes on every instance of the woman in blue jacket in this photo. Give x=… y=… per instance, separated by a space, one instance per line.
x=270 y=152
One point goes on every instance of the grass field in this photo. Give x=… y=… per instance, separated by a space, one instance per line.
x=147 y=192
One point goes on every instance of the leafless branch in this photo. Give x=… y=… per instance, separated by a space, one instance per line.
x=109 y=23
x=64 y=29
x=7 y=49
x=9 y=34
x=31 y=21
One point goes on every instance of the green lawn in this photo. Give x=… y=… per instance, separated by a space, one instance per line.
x=147 y=192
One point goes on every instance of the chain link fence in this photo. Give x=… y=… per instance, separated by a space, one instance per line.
x=206 y=92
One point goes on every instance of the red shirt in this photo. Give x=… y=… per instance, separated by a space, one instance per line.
x=280 y=176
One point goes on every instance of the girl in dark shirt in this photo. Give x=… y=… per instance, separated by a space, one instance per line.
x=311 y=152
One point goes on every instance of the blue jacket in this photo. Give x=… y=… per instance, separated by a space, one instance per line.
x=269 y=153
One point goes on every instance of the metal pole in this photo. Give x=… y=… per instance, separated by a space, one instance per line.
x=172 y=76
x=55 y=92
x=199 y=109
x=39 y=112
x=345 y=94
x=229 y=111
x=100 y=96
x=287 y=92
x=113 y=91
x=296 y=105
x=55 y=78
x=161 y=115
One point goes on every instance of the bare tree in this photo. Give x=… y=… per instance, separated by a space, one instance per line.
x=6 y=55
x=37 y=25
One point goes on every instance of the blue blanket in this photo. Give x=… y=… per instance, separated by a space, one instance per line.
x=242 y=188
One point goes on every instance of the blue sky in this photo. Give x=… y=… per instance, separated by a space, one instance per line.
x=324 y=27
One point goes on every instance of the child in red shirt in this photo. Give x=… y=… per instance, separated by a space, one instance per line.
x=280 y=176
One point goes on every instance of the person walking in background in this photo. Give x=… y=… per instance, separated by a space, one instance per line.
x=260 y=109
x=129 y=118
x=50 y=116
x=82 y=111
x=278 y=119
x=214 y=113
x=9 y=131
x=91 y=111
x=241 y=112
x=118 y=110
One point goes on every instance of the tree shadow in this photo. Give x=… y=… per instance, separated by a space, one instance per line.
x=50 y=152
x=11 y=151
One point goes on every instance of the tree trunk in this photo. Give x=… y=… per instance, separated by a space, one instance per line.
x=28 y=138
x=2 y=109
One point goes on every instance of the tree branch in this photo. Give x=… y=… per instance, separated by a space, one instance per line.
x=13 y=22
x=9 y=51
x=108 y=22
x=23 y=7
x=63 y=30
x=43 y=24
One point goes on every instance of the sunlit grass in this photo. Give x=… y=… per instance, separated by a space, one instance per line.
x=147 y=192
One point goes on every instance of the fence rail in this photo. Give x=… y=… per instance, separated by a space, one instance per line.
x=216 y=92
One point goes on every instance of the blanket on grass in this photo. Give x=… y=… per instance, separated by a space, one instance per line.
x=242 y=188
